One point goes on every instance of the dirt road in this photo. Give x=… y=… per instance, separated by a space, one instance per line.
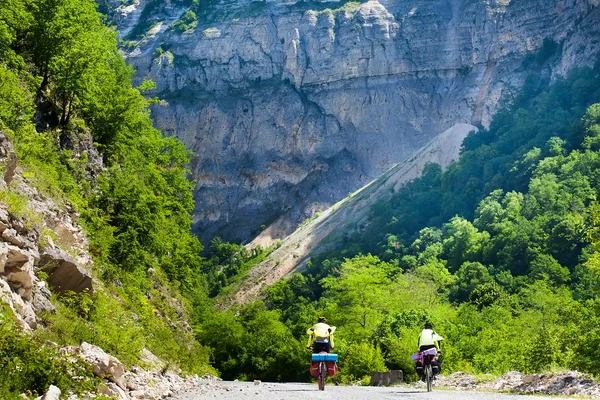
x=302 y=391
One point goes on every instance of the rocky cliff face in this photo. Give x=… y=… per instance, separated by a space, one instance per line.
x=288 y=106
x=30 y=224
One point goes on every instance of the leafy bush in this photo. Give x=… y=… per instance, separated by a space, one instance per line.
x=30 y=366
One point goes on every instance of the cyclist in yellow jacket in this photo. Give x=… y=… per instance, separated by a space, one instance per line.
x=320 y=336
x=428 y=339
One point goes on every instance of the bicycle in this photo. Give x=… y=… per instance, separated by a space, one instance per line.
x=426 y=358
x=429 y=377
x=322 y=365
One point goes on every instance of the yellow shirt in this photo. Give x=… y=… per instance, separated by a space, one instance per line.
x=428 y=337
x=320 y=331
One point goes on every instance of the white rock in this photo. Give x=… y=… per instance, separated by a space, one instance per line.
x=115 y=391
x=104 y=365
x=53 y=393
x=140 y=394
x=3 y=256
x=11 y=236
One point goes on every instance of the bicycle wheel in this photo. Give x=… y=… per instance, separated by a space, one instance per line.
x=322 y=375
x=429 y=377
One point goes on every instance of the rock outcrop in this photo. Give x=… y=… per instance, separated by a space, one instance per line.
x=64 y=274
x=42 y=238
x=53 y=393
x=9 y=158
x=25 y=217
x=103 y=365
x=289 y=105
x=136 y=383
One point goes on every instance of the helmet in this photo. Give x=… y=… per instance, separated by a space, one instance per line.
x=428 y=325
x=322 y=319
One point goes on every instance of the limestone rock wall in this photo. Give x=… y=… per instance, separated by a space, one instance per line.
x=289 y=106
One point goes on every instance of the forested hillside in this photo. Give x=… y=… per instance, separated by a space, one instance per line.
x=500 y=252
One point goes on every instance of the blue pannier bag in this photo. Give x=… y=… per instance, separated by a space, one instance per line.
x=325 y=357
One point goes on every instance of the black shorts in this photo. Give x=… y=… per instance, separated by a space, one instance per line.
x=426 y=347
x=319 y=347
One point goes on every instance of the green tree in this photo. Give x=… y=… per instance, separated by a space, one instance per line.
x=470 y=276
x=546 y=267
x=15 y=21
x=16 y=106
x=464 y=242
x=362 y=359
x=361 y=293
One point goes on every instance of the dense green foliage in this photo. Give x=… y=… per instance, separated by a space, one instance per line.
x=251 y=343
x=500 y=251
x=31 y=366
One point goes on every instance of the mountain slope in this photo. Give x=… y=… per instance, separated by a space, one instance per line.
x=344 y=217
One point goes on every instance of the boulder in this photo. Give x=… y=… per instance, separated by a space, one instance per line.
x=16 y=268
x=153 y=362
x=17 y=256
x=3 y=256
x=12 y=236
x=64 y=274
x=4 y=219
x=25 y=310
x=386 y=378
x=41 y=299
x=396 y=376
x=115 y=392
x=53 y=393
x=103 y=365
x=18 y=306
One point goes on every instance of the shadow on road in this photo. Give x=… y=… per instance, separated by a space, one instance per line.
x=311 y=389
x=410 y=392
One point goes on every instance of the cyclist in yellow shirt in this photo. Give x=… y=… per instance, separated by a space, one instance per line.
x=428 y=339
x=320 y=336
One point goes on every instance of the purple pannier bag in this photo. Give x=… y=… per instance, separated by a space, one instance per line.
x=430 y=352
x=419 y=356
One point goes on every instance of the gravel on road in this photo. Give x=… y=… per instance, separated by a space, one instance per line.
x=304 y=391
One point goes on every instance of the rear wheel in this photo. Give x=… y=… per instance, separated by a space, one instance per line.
x=429 y=377
x=322 y=376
